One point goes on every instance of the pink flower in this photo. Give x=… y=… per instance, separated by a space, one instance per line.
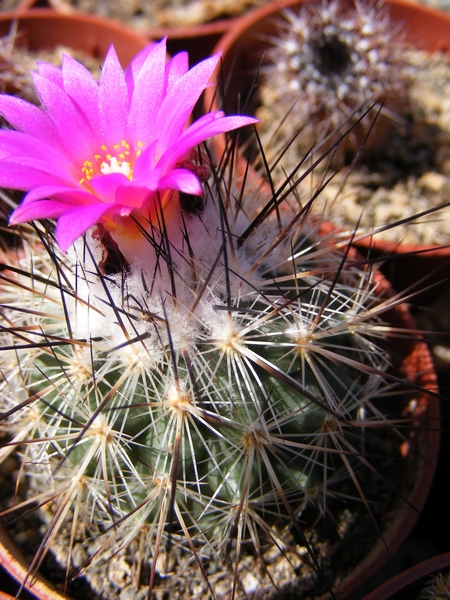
x=102 y=149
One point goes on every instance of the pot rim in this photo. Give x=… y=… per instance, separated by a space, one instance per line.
x=178 y=32
x=13 y=562
x=436 y=40
x=23 y=6
x=111 y=32
x=423 y=457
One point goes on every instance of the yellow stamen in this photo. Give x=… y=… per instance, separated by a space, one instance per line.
x=120 y=160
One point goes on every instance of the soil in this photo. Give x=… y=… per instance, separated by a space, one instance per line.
x=147 y=14
x=406 y=173
x=8 y=5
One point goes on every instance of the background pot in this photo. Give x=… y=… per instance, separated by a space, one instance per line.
x=198 y=39
x=243 y=46
x=43 y=28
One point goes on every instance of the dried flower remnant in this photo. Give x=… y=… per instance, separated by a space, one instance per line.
x=327 y=65
x=15 y=75
x=103 y=150
x=143 y=15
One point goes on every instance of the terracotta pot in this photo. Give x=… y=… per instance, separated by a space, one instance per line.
x=4 y=596
x=199 y=40
x=419 y=268
x=243 y=46
x=14 y=563
x=413 y=363
x=43 y=28
x=408 y=584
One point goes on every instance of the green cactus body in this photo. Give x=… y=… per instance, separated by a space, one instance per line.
x=203 y=416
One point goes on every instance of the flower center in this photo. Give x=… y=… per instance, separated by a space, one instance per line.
x=118 y=159
x=117 y=166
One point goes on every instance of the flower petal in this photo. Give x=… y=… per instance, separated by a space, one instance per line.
x=50 y=72
x=66 y=194
x=133 y=69
x=207 y=126
x=105 y=186
x=113 y=99
x=146 y=162
x=72 y=224
x=131 y=196
x=42 y=209
x=18 y=143
x=175 y=69
x=147 y=96
x=38 y=204
x=181 y=180
x=82 y=88
x=74 y=131
x=28 y=118
x=22 y=177
x=181 y=99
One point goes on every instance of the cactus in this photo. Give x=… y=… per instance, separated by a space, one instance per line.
x=201 y=397
x=196 y=384
x=326 y=65
x=350 y=71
